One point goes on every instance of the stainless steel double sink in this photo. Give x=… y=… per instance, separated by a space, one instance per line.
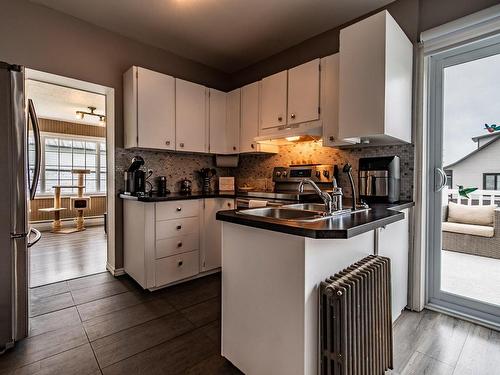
x=301 y=212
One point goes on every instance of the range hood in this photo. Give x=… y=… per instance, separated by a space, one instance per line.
x=291 y=133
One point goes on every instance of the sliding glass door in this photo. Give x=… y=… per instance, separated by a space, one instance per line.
x=463 y=120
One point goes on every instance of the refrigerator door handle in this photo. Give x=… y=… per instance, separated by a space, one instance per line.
x=38 y=235
x=38 y=149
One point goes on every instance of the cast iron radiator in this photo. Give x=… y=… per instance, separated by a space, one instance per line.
x=355 y=319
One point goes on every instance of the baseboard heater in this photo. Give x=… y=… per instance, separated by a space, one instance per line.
x=355 y=319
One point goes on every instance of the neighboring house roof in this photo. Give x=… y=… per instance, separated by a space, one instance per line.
x=479 y=149
x=487 y=135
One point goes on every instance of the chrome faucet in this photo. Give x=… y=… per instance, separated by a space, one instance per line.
x=327 y=199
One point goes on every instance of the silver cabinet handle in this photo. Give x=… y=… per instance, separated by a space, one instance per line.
x=292 y=116
x=179 y=209
x=444 y=179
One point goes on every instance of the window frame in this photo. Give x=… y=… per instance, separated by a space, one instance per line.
x=45 y=192
x=497 y=180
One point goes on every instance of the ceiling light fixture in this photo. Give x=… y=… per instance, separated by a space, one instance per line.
x=81 y=114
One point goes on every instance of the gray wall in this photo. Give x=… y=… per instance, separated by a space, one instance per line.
x=404 y=11
x=436 y=12
x=413 y=16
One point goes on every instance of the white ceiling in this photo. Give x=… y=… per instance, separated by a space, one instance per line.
x=61 y=103
x=225 y=34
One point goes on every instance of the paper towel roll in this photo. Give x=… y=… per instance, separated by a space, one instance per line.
x=227 y=161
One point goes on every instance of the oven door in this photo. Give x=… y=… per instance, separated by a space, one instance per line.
x=243 y=203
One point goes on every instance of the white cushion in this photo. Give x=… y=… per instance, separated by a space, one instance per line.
x=478 y=215
x=475 y=230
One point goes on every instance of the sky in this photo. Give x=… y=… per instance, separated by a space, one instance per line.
x=471 y=99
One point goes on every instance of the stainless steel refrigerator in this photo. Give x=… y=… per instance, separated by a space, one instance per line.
x=17 y=188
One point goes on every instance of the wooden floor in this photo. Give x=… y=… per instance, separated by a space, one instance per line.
x=105 y=325
x=58 y=257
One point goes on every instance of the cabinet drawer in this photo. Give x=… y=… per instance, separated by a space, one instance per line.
x=177 y=209
x=177 y=245
x=176 y=267
x=177 y=227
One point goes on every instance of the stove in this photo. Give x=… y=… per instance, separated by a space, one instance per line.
x=286 y=186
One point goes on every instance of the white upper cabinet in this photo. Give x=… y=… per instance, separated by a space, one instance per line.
x=149 y=109
x=224 y=121
x=233 y=118
x=249 y=128
x=303 y=92
x=217 y=121
x=273 y=101
x=191 y=116
x=375 y=81
x=330 y=101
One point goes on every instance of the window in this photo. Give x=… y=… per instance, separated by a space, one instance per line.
x=491 y=181
x=62 y=154
x=449 y=178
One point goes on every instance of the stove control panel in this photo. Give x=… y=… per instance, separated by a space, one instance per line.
x=319 y=173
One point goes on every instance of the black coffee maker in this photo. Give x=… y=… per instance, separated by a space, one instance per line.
x=135 y=178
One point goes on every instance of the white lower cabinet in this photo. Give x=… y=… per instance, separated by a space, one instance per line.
x=167 y=242
x=211 y=232
x=176 y=267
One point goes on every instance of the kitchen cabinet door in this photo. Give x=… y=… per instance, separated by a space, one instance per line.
x=273 y=101
x=217 y=121
x=249 y=117
x=211 y=236
x=233 y=114
x=375 y=94
x=149 y=109
x=303 y=92
x=394 y=244
x=191 y=117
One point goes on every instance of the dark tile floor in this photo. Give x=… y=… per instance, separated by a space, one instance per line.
x=104 y=325
x=101 y=324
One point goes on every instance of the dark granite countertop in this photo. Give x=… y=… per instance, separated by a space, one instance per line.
x=344 y=226
x=179 y=196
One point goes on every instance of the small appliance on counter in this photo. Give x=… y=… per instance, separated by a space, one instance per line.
x=186 y=186
x=162 y=186
x=206 y=175
x=135 y=178
x=379 y=179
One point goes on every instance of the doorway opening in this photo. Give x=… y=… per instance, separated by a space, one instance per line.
x=464 y=213
x=71 y=207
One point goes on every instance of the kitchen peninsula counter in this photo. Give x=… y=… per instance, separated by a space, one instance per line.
x=340 y=226
x=271 y=271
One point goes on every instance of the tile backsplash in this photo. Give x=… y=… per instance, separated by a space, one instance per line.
x=256 y=170
x=174 y=165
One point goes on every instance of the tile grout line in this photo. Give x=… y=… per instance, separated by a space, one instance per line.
x=163 y=342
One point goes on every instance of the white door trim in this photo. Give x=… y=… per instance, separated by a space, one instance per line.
x=109 y=93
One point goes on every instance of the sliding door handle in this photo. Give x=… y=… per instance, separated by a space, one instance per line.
x=444 y=179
